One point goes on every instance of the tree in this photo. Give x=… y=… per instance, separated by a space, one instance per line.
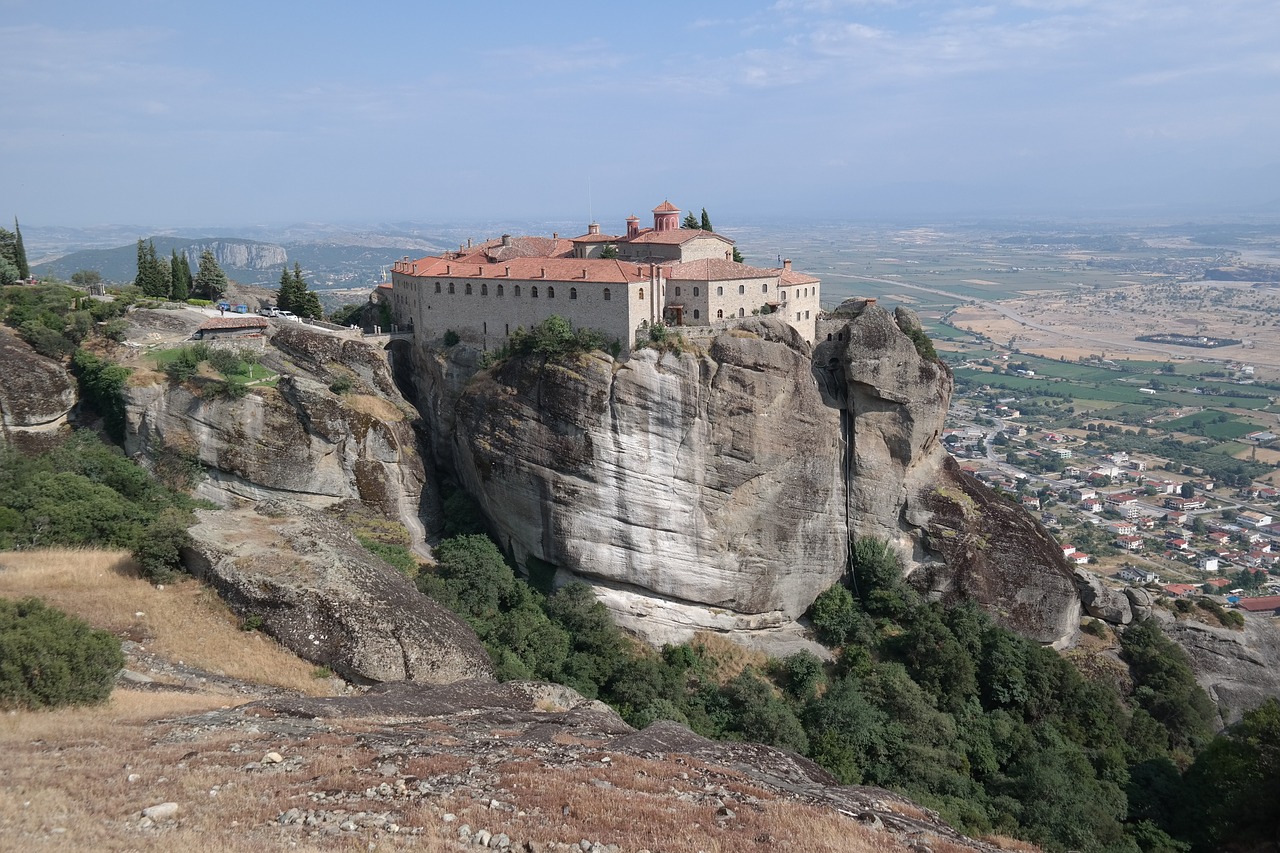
x=1187 y=490
x=150 y=277
x=48 y=658
x=180 y=272
x=705 y=225
x=609 y=253
x=20 y=252
x=210 y=281
x=737 y=256
x=86 y=278
x=294 y=296
x=690 y=222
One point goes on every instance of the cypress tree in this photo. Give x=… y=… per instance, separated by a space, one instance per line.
x=706 y=221
x=181 y=272
x=285 y=295
x=24 y=270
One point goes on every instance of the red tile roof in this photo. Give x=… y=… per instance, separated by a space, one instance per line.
x=233 y=323
x=597 y=238
x=1260 y=604
x=674 y=236
x=793 y=277
x=554 y=270
x=666 y=207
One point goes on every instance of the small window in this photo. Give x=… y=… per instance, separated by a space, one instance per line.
x=828 y=336
x=508 y=325
x=437 y=287
x=806 y=315
x=797 y=315
x=720 y=314
x=742 y=288
x=484 y=288
x=784 y=296
x=533 y=292
x=517 y=290
x=764 y=288
x=551 y=292
x=500 y=290
x=696 y=315
x=719 y=291
x=642 y=293
x=451 y=287
x=573 y=293
x=606 y=294
x=742 y=312
x=485 y=328
x=695 y=291
x=468 y=288
x=677 y=291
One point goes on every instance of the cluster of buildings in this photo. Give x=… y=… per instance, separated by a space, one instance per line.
x=620 y=284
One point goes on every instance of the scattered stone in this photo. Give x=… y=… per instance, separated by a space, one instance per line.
x=482 y=837
x=501 y=841
x=133 y=777
x=161 y=811
x=348 y=825
x=273 y=758
x=135 y=677
x=387 y=769
x=870 y=820
x=449 y=817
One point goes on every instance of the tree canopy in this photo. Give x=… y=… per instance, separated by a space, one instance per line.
x=210 y=280
x=294 y=296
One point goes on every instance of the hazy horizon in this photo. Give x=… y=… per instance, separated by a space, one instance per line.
x=799 y=110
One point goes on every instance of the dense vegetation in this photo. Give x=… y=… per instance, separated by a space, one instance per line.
x=49 y=659
x=55 y=319
x=86 y=493
x=294 y=296
x=554 y=337
x=998 y=733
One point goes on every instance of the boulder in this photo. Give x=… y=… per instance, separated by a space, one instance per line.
x=1140 y=602
x=1101 y=601
x=1238 y=668
x=320 y=594
x=36 y=396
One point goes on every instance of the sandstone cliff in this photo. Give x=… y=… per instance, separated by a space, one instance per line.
x=691 y=491
x=36 y=395
x=298 y=440
x=959 y=539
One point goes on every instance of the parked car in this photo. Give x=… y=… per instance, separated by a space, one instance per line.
x=269 y=311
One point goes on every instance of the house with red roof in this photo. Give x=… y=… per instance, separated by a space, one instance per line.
x=618 y=284
x=1261 y=604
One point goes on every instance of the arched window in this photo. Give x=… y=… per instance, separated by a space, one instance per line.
x=606 y=294
x=742 y=288
x=517 y=290
x=696 y=315
x=642 y=293
x=784 y=296
x=468 y=288
x=533 y=292
x=720 y=314
x=719 y=291
x=501 y=289
x=695 y=291
x=764 y=288
x=742 y=312
x=484 y=288
x=437 y=287
x=573 y=293
x=451 y=287
x=551 y=292
x=828 y=336
x=677 y=291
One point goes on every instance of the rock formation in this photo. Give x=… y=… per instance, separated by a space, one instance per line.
x=1239 y=669
x=693 y=491
x=317 y=591
x=299 y=440
x=36 y=396
x=958 y=538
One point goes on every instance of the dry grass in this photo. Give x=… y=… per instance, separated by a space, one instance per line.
x=184 y=622
x=1004 y=842
x=729 y=658
x=376 y=407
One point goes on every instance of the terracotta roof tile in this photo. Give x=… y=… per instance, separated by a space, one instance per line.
x=677 y=236
x=793 y=277
x=716 y=269
x=666 y=207
x=552 y=270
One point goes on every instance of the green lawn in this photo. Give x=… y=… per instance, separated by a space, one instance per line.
x=1208 y=420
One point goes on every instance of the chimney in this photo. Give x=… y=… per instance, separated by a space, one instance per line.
x=584 y=273
x=448 y=268
x=593 y=228
x=468 y=242
x=633 y=227
x=506 y=239
x=508 y=272
x=786 y=263
x=543 y=272
x=555 y=235
x=480 y=270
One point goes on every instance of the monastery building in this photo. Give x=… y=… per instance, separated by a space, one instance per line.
x=618 y=284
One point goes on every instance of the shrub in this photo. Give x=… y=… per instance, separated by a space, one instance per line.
x=924 y=346
x=451 y=337
x=184 y=366
x=230 y=389
x=200 y=303
x=159 y=546
x=49 y=659
x=341 y=385
x=226 y=362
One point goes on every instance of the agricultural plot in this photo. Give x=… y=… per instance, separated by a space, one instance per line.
x=1212 y=423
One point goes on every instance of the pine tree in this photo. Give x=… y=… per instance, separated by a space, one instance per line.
x=181 y=273
x=305 y=302
x=211 y=281
x=690 y=222
x=150 y=278
x=706 y=221
x=737 y=256
x=285 y=295
x=24 y=269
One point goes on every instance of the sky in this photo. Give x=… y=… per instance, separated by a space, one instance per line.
x=255 y=113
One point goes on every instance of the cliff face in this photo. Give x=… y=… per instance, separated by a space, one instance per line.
x=692 y=492
x=239 y=254
x=36 y=396
x=958 y=539
x=299 y=440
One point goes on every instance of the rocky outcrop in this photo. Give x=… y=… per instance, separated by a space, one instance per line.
x=959 y=540
x=316 y=590
x=36 y=395
x=239 y=254
x=299 y=440
x=692 y=491
x=1239 y=669
x=1101 y=601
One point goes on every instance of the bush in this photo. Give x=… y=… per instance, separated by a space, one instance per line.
x=341 y=385
x=451 y=337
x=226 y=362
x=158 y=548
x=49 y=659
x=200 y=303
